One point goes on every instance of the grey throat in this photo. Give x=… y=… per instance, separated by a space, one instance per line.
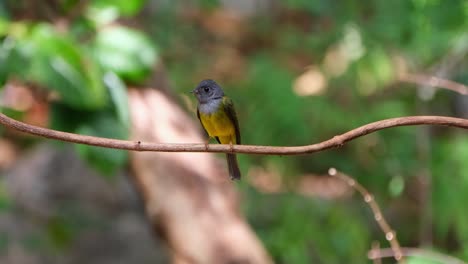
x=210 y=107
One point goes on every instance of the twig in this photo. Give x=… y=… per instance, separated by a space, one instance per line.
x=433 y=81
x=434 y=256
x=376 y=247
x=390 y=235
x=334 y=142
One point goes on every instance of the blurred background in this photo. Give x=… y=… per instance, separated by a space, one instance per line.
x=298 y=71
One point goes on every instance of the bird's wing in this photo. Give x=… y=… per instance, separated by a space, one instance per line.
x=198 y=115
x=231 y=113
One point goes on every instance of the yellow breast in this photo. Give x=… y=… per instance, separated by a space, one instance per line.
x=219 y=125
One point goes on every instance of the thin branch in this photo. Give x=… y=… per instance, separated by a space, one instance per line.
x=434 y=81
x=390 y=235
x=431 y=255
x=334 y=142
x=376 y=247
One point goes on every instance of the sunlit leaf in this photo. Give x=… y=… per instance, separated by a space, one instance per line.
x=422 y=260
x=396 y=186
x=127 y=52
x=59 y=64
x=4 y=24
x=122 y=7
x=118 y=94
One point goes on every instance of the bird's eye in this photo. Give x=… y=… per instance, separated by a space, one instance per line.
x=206 y=89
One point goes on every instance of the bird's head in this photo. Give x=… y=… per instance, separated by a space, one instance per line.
x=208 y=90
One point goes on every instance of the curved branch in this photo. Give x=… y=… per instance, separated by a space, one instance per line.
x=334 y=142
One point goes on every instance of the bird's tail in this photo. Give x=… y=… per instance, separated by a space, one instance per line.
x=234 y=171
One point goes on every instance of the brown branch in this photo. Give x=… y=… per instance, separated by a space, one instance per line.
x=390 y=235
x=407 y=252
x=334 y=142
x=433 y=81
x=376 y=247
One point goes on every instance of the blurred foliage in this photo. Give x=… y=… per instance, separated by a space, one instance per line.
x=360 y=51
x=126 y=52
x=85 y=62
x=351 y=53
x=121 y=7
x=5 y=202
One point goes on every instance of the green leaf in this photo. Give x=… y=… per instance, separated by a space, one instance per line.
x=10 y=112
x=6 y=48
x=422 y=260
x=104 y=12
x=15 y=51
x=105 y=160
x=118 y=94
x=4 y=25
x=396 y=185
x=59 y=64
x=64 y=118
x=122 y=7
x=127 y=52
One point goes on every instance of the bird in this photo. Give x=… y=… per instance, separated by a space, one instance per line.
x=219 y=120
